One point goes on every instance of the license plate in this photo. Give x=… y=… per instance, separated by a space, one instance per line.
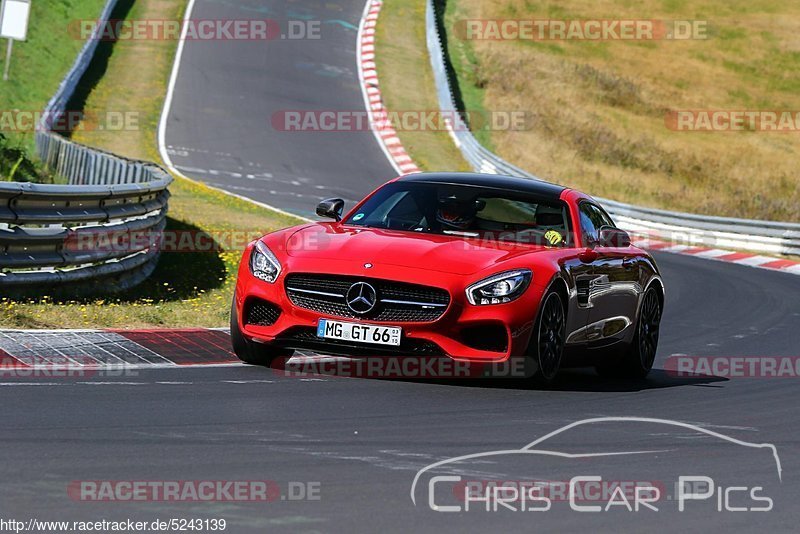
x=360 y=333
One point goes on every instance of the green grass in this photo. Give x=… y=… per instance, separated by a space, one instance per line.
x=188 y=289
x=39 y=64
x=17 y=166
x=37 y=67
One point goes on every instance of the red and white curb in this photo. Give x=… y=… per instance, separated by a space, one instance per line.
x=76 y=349
x=717 y=254
x=370 y=88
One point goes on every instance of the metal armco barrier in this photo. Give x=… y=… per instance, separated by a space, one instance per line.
x=49 y=233
x=681 y=228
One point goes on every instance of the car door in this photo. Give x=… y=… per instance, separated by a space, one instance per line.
x=578 y=275
x=614 y=289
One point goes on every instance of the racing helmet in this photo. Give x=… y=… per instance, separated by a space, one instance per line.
x=457 y=214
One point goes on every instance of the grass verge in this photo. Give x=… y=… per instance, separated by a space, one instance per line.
x=17 y=166
x=37 y=67
x=407 y=83
x=188 y=289
x=39 y=64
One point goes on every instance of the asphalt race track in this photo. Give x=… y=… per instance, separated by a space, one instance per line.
x=220 y=123
x=362 y=441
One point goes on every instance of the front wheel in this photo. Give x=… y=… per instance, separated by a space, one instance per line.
x=641 y=354
x=249 y=351
x=546 y=346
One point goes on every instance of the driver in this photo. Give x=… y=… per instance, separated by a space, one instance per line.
x=457 y=214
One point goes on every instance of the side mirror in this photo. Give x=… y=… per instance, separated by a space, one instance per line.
x=331 y=208
x=613 y=237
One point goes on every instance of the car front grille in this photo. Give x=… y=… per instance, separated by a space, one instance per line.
x=398 y=302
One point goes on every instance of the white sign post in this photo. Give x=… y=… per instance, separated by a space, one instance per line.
x=14 y=16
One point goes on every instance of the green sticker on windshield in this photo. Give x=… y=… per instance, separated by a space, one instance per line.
x=358 y=217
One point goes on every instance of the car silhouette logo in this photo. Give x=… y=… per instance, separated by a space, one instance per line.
x=361 y=298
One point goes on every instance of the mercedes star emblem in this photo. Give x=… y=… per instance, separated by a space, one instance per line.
x=361 y=298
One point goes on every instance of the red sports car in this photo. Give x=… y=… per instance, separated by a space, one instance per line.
x=477 y=268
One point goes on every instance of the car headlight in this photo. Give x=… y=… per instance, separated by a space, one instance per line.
x=263 y=263
x=500 y=288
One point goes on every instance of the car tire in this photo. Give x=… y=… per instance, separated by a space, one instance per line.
x=641 y=353
x=546 y=347
x=249 y=351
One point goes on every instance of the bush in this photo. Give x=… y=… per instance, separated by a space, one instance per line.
x=17 y=166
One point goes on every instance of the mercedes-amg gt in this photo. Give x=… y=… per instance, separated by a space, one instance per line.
x=477 y=268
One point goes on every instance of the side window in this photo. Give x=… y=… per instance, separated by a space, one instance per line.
x=592 y=219
x=604 y=216
x=588 y=229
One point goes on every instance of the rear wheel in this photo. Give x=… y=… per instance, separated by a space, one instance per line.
x=641 y=354
x=546 y=346
x=249 y=351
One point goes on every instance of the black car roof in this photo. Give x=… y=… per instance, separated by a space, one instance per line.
x=496 y=181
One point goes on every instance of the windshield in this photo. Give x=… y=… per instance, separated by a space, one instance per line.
x=465 y=211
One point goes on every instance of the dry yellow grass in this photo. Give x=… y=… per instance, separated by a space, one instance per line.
x=599 y=107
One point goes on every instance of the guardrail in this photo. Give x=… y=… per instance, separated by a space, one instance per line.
x=43 y=226
x=677 y=227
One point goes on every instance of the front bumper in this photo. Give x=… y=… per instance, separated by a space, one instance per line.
x=458 y=333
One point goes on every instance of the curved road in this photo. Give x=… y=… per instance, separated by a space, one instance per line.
x=363 y=440
x=220 y=126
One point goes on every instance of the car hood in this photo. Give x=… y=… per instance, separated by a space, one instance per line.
x=440 y=253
